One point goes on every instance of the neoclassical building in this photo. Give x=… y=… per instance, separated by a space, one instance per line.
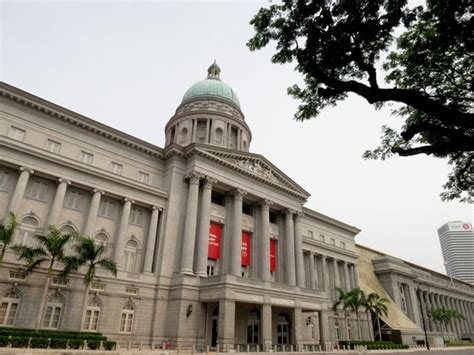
x=213 y=243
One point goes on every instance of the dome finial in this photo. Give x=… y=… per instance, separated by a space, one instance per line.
x=214 y=72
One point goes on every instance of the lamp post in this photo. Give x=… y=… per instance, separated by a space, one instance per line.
x=418 y=291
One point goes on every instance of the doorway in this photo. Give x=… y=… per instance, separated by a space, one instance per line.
x=214 y=326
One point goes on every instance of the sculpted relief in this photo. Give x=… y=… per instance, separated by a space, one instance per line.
x=257 y=168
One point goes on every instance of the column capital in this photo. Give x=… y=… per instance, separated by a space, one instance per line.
x=289 y=213
x=24 y=168
x=238 y=194
x=60 y=180
x=265 y=204
x=98 y=191
x=208 y=182
x=126 y=199
x=298 y=216
x=193 y=177
x=156 y=208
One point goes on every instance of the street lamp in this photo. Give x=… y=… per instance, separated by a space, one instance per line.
x=418 y=291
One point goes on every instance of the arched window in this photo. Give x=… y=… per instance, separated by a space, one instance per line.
x=337 y=331
x=91 y=321
x=183 y=135
x=219 y=135
x=126 y=319
x=101 y=239
x=131 y=253
x=53 y=312
x=283 y=329
x=28 y=229
x=244 y=145
x=9 y=308
x=253 y=327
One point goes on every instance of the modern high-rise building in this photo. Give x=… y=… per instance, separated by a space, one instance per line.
x=457 y=244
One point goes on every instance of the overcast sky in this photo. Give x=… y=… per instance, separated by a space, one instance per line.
x=128 y=64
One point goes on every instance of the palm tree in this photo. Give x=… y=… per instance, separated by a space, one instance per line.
x=92 y=256
x=7 y=230
x=439 y=315
x=51 y=251
x=343 y=300
x=376 y=305
x=453 y=314
x=356 y=300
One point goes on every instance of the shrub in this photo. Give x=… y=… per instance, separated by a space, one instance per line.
x=41 y=343
x=58 y=343
x=75 y=343
x=19 y=342
x=110 y=345
x=93 y=344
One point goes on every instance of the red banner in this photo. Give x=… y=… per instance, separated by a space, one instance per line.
x=273 y=247
x=214 y=247
x=245 y=259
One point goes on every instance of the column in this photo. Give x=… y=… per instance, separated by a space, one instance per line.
x=151 y=239
x=432 y=306
x=356 y=277
x=207 y=130
x=324 y=334
x=122 y=231
x=290 y=273
x=204 y=224
x=236 y=243
x=19 y=191
x=458 y=308
x=266 y=326
x=57 y=203
x=337 y=280
x=325 y=275
x=226 y=327
x=300 y=277
x=312 y=272
x=187 y=257
x=346 y=276
x=298 y=331
x=92 y=215
x=265 y=240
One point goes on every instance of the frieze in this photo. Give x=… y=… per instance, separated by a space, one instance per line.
x=282 y=301
x=257 y=168
x=247 y=297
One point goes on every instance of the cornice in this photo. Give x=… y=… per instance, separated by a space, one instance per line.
x=36 y=103
x=334 y=222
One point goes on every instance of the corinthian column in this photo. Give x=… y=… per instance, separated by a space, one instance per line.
x=265 y=240
x=187 y=258
x=203 y=236
x=19 y=191
x=300 y=276
x=92 y=215
x=347 y=276
x=290 y=248
x=122 y=230
x=57 y=203
x=236 y=243
x=312 y=272
x=151 y=239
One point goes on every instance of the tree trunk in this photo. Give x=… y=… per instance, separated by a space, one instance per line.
x=380 y=329
x=358 y=325
x=371 y=331
x=43 y=300
x=84 y=306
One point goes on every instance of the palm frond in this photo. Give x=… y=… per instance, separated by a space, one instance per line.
x=108 y=265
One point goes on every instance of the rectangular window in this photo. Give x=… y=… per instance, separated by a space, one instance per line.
x=51 y=316
x=53 y=146
x=107 y=209
x=126 y=321
x=4 y=177
x=86 y=158
x=92 y=319
x=273 y=217
x=74 y=200
x=131 y=291
x=310 y=234
x=39 y=190
x=143 y=177
x=116 y=168
x=136 y=216
x=16 y=133
x=17 y=275
x=97 y=286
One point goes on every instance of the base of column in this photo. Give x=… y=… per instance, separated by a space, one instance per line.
x=201 y=274
x=187 y=272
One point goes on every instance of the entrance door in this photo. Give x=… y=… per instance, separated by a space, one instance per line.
x=283 y=329
x=253 y=327
x=214 y=326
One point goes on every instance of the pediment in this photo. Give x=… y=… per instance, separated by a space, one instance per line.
x=256 y=166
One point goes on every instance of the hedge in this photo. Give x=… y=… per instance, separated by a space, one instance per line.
x=372 y=345
x=57 y=343
x=50 y=334
x=459 y=343
x=110 y=345
x=41 y=343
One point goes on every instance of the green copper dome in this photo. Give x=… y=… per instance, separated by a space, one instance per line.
x=212 y=87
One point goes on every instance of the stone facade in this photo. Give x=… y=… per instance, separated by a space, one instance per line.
x=213 y=243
